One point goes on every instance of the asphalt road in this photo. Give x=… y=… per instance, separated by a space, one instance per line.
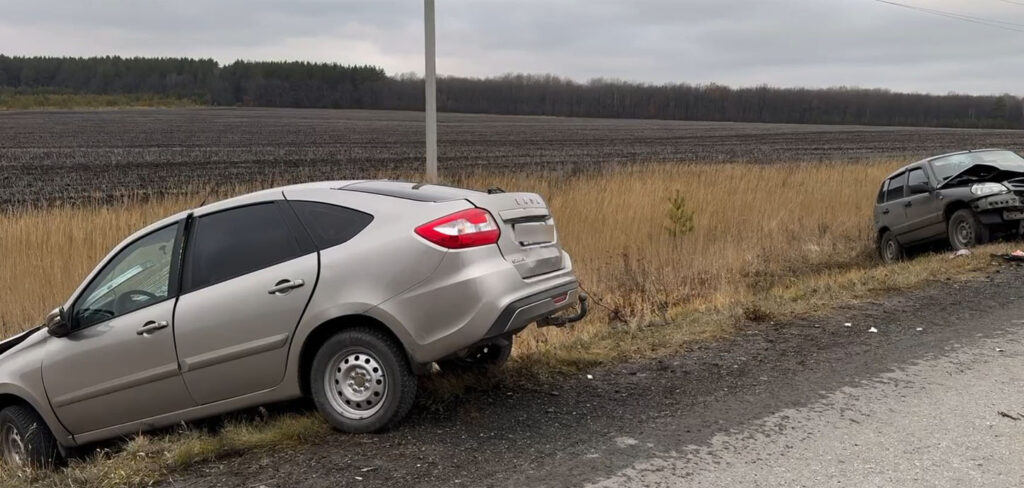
x=953 y=420
x=807 y=402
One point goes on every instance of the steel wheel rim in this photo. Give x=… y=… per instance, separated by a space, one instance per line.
x=890 y=250
x=356 y=384
x=13 y=447
x=964 y=233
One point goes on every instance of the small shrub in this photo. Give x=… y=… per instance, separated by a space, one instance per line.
x=680 y=218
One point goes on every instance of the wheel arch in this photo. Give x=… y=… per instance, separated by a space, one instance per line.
x=881 y=232
x=11 y=399
x=319 y=334
x=952 y=208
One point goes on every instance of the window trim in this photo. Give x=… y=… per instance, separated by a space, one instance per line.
x=902 y=174
x=173 y=285
x=306 y=246
x=906 y=187
x=883 y=192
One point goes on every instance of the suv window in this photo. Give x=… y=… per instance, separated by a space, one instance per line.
x=235 y=242
x=330 y=225
x=881 y=192
x=895 y=189
x=138 y=276
x=917 y=176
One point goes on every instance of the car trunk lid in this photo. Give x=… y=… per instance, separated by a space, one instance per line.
x=528 y=238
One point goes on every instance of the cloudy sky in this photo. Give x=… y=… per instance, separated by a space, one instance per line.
x=737 y=42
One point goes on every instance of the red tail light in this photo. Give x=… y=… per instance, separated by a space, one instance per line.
x=468 y=228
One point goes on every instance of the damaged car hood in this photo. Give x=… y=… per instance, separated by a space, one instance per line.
x=984 y=172
x=10 y=343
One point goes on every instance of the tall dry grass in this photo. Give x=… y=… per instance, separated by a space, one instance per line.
x=754 y=226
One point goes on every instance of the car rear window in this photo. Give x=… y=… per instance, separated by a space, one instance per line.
x=235 y=242
x=895 y=190
x=412 y=191
x=330 y=225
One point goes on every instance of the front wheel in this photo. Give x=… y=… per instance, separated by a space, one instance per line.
x=361 y=381
x=25 y=439
x=965 y=230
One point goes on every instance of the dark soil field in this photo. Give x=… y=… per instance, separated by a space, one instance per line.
x=72 y=156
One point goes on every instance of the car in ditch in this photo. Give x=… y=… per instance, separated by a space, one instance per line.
x=965 y=198
x=342 y=291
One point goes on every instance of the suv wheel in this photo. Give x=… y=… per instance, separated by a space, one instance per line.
x=361 y=381
x=492 y=355
x=889 y=248
x=965 y=230
x=25 y=440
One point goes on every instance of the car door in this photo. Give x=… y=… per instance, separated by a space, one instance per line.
x=892 y=215
x=249 y=273
x=118 y=365
x=922 y=209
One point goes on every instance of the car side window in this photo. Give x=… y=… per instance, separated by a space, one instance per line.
x=916 y=176
x=330 y=225
x=895 y=190
x=138 y=276
x=881 y=192
x=235 y=242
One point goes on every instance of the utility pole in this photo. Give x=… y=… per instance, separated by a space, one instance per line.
x=430 y=80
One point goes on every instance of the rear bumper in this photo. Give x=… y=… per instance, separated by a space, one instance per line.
x=474 y=294
x=527 y=310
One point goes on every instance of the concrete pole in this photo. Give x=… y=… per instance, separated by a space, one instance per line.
x=430 y=79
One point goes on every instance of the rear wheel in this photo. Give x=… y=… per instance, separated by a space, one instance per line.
x=25 y=440
x=490 y=355
x=361 y=381
x=889 y=249
x=965 y=230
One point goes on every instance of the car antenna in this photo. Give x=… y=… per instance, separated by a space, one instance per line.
x=209 y=191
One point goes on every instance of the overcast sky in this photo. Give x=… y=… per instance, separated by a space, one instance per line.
x=737 y=42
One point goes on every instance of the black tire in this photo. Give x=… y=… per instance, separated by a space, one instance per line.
x=26 y=440
x=889 y=249
x=485 y=356
x=362 y=356
x=965 y=230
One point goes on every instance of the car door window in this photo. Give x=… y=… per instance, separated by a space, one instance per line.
x=917 y=176
x=138 y=276
x=881 y=192
x=895 y=189
x=330 y=225
x=235 y=242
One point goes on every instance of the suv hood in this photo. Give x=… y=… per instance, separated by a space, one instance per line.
x=983 y=173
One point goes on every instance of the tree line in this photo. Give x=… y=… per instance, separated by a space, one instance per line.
x=328 y=85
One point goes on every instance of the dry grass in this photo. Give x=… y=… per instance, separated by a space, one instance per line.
x=754 y=226
x=768 y=242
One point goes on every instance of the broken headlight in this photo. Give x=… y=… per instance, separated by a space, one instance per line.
x=983 y=189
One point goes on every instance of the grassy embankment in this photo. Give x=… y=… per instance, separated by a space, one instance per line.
x=747 y=243
x=15 y=100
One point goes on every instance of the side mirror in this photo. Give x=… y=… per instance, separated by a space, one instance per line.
x=918 y=188
x=57 y=323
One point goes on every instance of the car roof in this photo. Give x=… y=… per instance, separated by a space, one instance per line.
x=932 y=158
x=268 y=194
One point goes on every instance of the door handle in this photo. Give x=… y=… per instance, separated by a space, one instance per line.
x=285 y=286
x=885 y=211
x=908 y=204
x=152 y=326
